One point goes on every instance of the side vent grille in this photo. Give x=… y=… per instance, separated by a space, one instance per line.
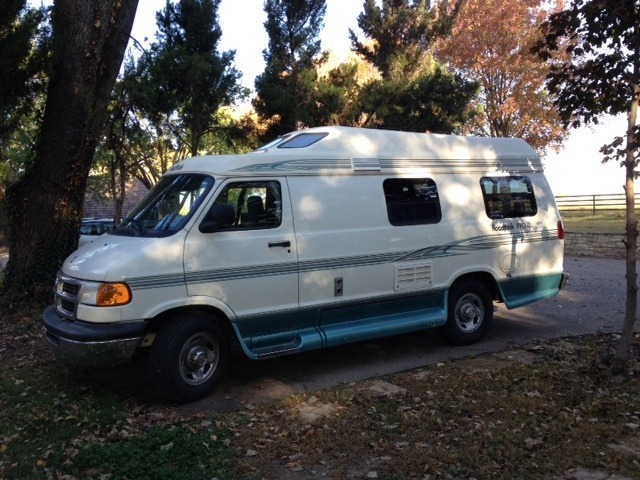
x=413 y=276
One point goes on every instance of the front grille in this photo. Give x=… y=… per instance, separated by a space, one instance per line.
x=66 y=296
x=70 y=289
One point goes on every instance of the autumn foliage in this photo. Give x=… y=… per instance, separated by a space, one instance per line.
x=490 y=43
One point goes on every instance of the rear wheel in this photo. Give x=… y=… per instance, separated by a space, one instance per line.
x=470 y=311
x=189 y=357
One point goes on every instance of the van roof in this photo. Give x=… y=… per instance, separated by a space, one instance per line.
x=345 y=150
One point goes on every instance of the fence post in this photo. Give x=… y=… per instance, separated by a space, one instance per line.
x=594 y=204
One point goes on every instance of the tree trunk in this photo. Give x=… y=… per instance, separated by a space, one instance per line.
x=45 y=207
x=621 y=357
x=118 y=181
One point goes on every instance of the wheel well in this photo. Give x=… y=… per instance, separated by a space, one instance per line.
x=217 y=315
x=483 y=277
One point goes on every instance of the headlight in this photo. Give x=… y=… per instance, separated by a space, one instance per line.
x=105 y=294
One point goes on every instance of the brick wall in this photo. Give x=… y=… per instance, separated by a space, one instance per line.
x=602 y=245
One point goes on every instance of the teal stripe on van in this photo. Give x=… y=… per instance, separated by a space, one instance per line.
x=349 y=262
x=484 y=242
x=223 y=274
x=462 y=247
x=156 y=281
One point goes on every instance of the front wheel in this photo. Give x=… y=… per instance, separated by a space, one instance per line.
x=189 y=357
x=470 y=311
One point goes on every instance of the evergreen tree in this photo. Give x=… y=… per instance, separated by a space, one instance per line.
x=184 y=75
x=432 y=101
x=413 y=92
x=400 y=33
x=335 y=96
x=285 y=89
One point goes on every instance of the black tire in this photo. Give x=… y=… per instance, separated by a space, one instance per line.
x=470 y=312
x=189 y=357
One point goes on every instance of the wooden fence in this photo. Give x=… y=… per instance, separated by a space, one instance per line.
x=593 y=203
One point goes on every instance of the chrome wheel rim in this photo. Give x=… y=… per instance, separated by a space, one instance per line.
x=199 y=358
x=469 y=313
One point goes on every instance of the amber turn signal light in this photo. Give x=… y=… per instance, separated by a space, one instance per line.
x=113 y=294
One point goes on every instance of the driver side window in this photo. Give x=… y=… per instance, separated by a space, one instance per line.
x=256 y=204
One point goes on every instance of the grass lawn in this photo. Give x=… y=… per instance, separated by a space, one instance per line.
x=612 y=221
x=536 y=412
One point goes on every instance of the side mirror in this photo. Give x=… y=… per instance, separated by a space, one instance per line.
x=221 y=215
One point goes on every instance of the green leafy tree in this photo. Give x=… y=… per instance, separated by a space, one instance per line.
x=122 y=152
x=285 y=88
x=184 y=76
x=413 y=92
x=231 y=137
x=24 y=48
x=153 y=113
x=594 y=50
x=22 y=54
x=45 y=206
x=432 y=101
x=334 y=96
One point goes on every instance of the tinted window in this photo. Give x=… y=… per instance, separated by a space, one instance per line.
x=256 y=204
x=303 y=140
x=508 y=197
x=412 y=201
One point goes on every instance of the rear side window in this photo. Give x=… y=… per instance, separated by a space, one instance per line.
x=508 y=197
x=412 y=201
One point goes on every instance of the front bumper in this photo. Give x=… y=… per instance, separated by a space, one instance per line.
x=90 y=345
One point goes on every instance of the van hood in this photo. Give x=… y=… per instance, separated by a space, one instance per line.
x=111 y=258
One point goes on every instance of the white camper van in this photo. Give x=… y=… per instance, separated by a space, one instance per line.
x=323 y=237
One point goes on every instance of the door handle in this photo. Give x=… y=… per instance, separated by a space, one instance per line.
x=283 y=244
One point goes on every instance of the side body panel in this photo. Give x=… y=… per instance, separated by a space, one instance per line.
x=362 y=277
x=349 y=254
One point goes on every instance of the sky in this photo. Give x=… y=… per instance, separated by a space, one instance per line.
x=575 y=170
x=578 y=169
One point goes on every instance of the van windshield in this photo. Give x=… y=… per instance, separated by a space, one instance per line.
x=167 y=207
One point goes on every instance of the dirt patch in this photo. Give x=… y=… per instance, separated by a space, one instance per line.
x=314 y=411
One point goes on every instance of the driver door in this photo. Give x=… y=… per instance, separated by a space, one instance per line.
x=251 y=263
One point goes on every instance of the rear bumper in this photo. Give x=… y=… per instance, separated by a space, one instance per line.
x=89 y=345
x=520 y=291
